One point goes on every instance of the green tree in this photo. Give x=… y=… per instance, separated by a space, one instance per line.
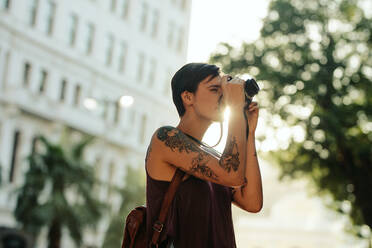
x=313 y=61
x=57 y=192
x=133 y=195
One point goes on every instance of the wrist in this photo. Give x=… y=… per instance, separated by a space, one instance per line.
x=237 y=108
x=252 y=134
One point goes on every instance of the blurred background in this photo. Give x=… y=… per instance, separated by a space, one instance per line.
x=85 y=83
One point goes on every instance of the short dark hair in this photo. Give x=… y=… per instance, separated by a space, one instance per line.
x=188 y=78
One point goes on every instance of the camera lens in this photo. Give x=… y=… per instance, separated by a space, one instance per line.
x=251 y=87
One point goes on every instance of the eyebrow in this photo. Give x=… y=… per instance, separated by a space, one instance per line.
x=214 y=85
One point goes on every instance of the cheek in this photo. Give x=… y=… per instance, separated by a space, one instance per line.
x=207 y=105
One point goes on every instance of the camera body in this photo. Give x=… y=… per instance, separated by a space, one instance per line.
x=250 y=89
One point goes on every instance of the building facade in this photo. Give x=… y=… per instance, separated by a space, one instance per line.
x=55 y=55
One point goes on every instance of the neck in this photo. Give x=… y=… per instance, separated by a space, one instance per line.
x=194 y=126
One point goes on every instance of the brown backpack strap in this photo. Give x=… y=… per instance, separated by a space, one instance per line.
x=168 y=198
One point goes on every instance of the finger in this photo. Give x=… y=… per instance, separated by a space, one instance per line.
x=237 y=80
x=253 y=109
x=225 y=78
x=253 y=105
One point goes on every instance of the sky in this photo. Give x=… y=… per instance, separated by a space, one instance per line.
x=215 y=21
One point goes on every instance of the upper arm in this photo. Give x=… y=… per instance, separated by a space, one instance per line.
x=179 y=150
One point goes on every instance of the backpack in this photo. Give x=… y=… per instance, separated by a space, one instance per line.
x=134 y=235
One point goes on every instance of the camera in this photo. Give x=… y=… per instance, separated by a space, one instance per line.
x=250 y=89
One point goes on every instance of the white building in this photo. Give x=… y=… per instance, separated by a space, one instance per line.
x=54 y=54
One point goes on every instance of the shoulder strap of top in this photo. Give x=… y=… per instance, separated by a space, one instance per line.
x=168 y=198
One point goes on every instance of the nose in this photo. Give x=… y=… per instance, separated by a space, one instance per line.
x=221 y=100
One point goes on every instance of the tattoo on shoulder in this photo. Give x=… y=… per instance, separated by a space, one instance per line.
x=177 y=141
x=174 y=139
x=230 y=156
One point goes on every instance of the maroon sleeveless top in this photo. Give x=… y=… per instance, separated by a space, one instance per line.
x=200 y=214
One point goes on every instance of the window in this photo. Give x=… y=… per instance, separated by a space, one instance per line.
x=122 y=56
x=144 y=17
x=72 y=28
x=1 y=166
x=152 y=69
x=170 y=33
x=105 y=110
x=43 y=80
x=26 y=74
x=130 y=115
x=34 y=144
x=140 y=66
x=97 y=174
x=113 y=5
x=98 y=167
x=5 y=69
x=109 y=48
x=124 y=8
x=88 y=38
x=180 y=40
x=155 y=23
x=110 y=179
x=184 y=4
x=5 y=4
x=77 y=95
x=167 y=83
x=117 y=112
x=13 y=165
x=33 y=6
x=62 y=95
x=143 y=129
x=49 y=17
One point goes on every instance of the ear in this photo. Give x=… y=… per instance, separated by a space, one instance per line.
x=187 y=97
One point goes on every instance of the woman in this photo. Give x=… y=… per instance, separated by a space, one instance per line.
x=200 y=215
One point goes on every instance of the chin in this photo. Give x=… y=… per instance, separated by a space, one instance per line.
x=218 y=117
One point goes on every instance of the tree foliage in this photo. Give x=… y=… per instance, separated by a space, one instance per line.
x=313 y=61
x=57 y=192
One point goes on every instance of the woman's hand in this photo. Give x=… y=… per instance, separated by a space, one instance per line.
x=233 y=92
x=252 y=116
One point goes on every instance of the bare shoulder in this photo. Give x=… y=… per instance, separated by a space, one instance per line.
x=168 y=137
x=153 y=148
x=174 y=139
x=156 y=167
x=170 y=148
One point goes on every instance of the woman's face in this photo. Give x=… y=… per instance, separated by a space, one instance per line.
x=208 y=97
